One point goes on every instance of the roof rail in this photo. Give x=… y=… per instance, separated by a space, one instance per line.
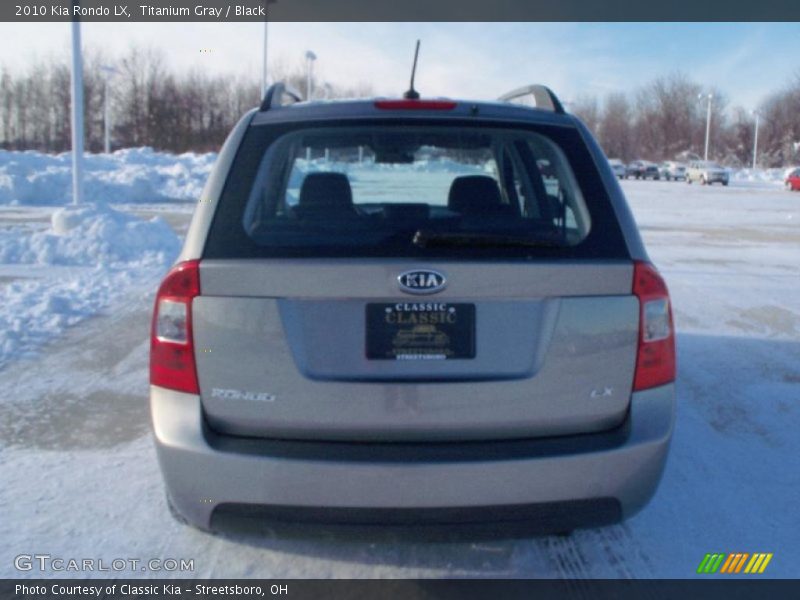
x=280 y=94
x=543 y=97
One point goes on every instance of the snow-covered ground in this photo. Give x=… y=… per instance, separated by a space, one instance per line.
x=80 y=478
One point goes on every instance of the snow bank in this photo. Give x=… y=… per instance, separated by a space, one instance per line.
x=133 y=175
x=93 y=255
x=774 y=177
x=90 y=235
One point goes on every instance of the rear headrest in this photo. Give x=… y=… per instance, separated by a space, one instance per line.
x=326 y=192
x=474 y=194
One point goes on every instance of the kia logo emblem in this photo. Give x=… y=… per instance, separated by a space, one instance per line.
x=423 y=281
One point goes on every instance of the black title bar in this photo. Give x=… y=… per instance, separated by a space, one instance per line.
x=144 y=11
x=258 y=589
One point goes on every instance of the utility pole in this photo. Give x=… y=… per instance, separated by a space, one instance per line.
x=708 y=123
x=264 y=49
x=310 y=58
x=109 y=72
x=77 y=111
x=264 y=59
x=755 y=140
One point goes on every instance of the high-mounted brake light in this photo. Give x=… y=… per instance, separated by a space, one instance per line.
x=172 y=362
x=415 y=104
x=655 y=357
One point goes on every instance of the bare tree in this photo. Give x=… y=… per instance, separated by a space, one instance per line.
x=615 y=130
x=780 y=132
x=668 y=117
x=155 y=105
x=586 y=109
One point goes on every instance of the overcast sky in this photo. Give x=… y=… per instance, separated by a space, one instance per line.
x=472 y=60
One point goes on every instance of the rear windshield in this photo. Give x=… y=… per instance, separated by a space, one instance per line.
x=389 y=190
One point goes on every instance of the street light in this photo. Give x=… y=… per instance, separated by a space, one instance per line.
x=109 y=73
x=708 y=121
x=264 y=49
x=310 y=58
x=264 y=62
x=76 y=77
x=755 y=139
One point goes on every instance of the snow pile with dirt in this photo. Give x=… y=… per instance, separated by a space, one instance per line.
x=130 y=176
x=103 y=252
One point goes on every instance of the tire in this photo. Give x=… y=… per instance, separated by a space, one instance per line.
x=703 y=180
x=689 y=180
x=725 y=184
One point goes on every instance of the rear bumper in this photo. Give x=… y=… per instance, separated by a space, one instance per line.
x=621 y=468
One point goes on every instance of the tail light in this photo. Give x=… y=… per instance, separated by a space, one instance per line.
x=172 y=363
x=655 y=357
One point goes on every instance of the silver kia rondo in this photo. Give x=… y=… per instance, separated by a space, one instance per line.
x=411 y=311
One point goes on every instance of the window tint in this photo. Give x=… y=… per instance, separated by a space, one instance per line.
x=370 y=187
x=402 y=190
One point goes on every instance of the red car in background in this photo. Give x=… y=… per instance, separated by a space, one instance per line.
x=793 y=181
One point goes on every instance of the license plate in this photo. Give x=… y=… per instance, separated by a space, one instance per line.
x=420 y=331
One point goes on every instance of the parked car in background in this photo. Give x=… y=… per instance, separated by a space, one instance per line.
x=642 y=169
x=618 y=167
x=706 y=172
x=793 y=181
x=672 y=170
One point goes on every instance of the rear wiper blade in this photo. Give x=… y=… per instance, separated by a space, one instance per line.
x=426 y=239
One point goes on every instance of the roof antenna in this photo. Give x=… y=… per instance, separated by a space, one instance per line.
x=413 y=94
